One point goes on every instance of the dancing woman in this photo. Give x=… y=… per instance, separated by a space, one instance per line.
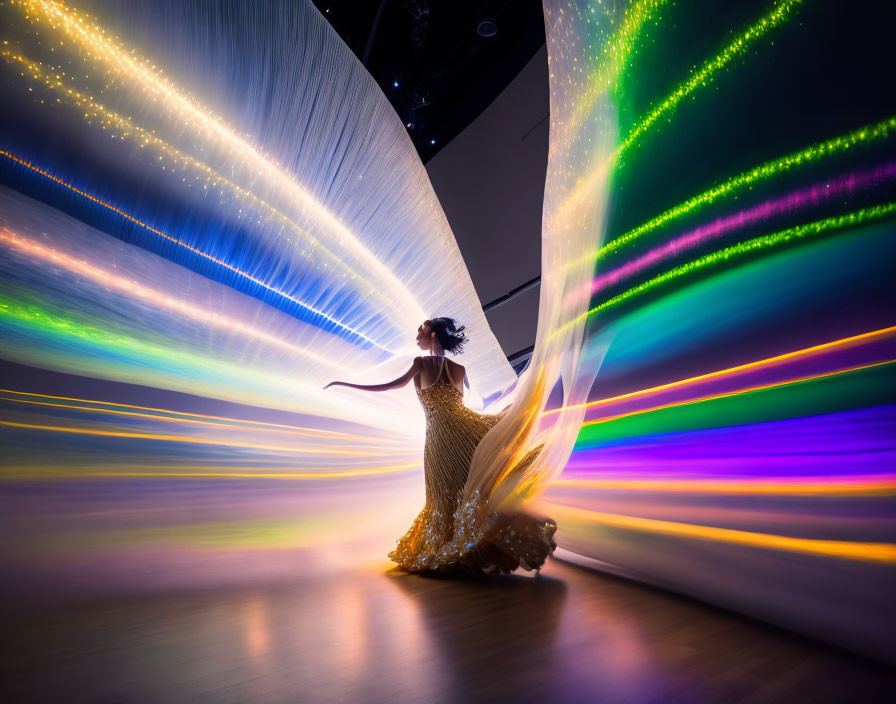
x=445 y=537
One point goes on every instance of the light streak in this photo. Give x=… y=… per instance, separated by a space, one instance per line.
x=833 y=188
x=738 y=392
x=220 y=262
x=157 y=298
x=833 y=345
x=780 y=13
x=88 y=473
x=295 y=428
x=813 y=153
x=183 y=439
x=130 y=70
x=615 y=54
x=841 y=549
x=193 y=421
x=144 y=137
x=819 y=227
x=881 y=484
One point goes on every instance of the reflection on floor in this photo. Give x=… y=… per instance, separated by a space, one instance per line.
x=375 y=634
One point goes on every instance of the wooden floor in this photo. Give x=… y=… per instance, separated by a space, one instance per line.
x=568 y=635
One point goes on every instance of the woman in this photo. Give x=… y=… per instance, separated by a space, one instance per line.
x=445 y=537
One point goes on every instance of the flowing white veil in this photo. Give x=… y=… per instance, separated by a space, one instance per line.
x=522 y=454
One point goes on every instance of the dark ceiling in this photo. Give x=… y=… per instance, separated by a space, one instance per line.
x=431 y=59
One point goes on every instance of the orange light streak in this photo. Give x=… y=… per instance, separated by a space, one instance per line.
x=736 y=393
x=843 y=343
x=843 y=549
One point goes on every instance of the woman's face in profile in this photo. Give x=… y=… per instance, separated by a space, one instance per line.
x=424 y=333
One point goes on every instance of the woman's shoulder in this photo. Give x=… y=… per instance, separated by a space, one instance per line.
x=433 y=359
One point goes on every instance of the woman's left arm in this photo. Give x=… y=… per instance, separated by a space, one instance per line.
x=388 y=386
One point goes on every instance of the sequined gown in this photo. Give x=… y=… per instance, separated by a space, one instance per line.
x=447 y=537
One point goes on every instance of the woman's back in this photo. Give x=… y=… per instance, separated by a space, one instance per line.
x=436 y=367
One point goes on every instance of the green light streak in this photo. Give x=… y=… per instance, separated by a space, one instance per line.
x=41 y=320
x=780 y=13
x=837 y=145
x=818 y=227
x=852 y=389
x=114 y=347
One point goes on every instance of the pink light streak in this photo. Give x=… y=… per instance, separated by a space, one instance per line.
x=797 y=200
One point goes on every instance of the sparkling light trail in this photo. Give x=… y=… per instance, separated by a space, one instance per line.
x=212 y=179
x=122 y=64
x=819 y=227
x=838 y=145
x=776 y=16
x=788 y=204
x=780 y=12
x=765 y=242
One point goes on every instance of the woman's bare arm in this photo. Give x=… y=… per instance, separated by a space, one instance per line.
x=388 y=386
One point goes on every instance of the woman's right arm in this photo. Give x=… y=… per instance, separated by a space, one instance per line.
x=389 y=385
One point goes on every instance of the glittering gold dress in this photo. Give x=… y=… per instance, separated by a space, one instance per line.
x=450 y=536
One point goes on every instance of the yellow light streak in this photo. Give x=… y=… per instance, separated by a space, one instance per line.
x=842 y=549
x=297 y=428
x=738 y=392
x=190 y=440
x=169 y=419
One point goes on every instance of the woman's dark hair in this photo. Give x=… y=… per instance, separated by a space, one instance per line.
x=451 y=337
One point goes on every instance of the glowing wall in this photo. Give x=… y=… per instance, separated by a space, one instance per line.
x=739 y=441
x=211 y=199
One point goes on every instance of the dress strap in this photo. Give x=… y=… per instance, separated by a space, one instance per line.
x=447 y=372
